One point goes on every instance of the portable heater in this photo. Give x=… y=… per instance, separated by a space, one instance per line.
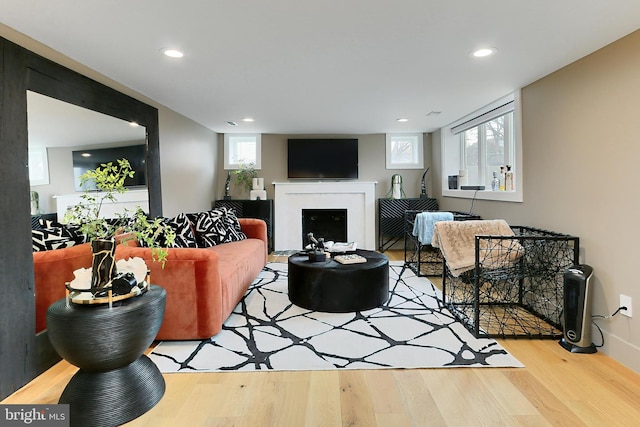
x=576 y=314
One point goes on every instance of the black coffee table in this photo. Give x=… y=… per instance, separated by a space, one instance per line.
x=333 y=287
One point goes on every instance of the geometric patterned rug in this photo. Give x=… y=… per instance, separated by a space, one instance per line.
x=267 y=332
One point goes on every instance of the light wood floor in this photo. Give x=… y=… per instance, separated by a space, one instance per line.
x=557 y=388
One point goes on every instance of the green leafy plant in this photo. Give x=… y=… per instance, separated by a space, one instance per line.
x=244 y=176
x=109 y=179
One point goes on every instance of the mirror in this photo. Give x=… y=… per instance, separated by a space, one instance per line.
x=55 y=130
x=22 y=70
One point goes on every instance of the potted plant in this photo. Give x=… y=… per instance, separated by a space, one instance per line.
x=244 y=175
x=101 y=232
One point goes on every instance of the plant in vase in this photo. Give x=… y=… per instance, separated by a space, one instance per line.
x=244 y=175
x=109 y=180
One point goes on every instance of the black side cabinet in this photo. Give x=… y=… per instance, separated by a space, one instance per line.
x=391 y=218
x=261 y=209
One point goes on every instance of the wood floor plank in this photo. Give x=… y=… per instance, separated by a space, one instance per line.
x=324 y=407
x=355 y=400
x=505 y=392
x=454 y=407
x=385 y=395
x=417 y=396
x=549 y=405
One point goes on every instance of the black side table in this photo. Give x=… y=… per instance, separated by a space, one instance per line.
x=391 y=218
x=116 y=382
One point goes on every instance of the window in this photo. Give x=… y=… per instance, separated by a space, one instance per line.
x=404 y=151
x=242 y=149
x=479 y=145
x=38 y=166
x=486 y=148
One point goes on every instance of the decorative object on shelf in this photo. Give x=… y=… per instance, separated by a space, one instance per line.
x=453 y=182
x=131 y=280
x=101 y=232
x=396 y=192
x=258 y=183
x=35 y=203
x=315 y=249
x=104 y=265
x=227 y=186
x=423 y=185
x=495 y=182
x=258 y=192
x=462 y=178
x=245 y=175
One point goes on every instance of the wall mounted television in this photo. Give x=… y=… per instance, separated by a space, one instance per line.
x=332 y=159
x=84 y=160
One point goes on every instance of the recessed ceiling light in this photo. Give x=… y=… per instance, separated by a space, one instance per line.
x=86 y=154
x=402 y=120
x=434 y=113
x=173 y=53
x=248 y=119
x=484 y=52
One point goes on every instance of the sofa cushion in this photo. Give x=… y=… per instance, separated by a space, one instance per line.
x=50 y=238
x=217 y=226
x=68 y=230
x=182 y=228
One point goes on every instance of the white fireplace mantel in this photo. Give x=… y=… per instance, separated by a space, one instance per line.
x=357 y=197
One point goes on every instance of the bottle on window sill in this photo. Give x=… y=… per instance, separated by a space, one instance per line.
x=495 y=182
x=502 y=179
x=508 y=179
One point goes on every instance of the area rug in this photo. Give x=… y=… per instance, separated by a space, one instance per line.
x=267 y=332
x=286 y=252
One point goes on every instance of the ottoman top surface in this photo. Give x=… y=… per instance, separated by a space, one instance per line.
x=374 y=260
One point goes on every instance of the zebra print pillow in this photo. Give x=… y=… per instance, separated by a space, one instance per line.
x=184 y=233
x=218 y=226
x=68 y=230
x=47 y=239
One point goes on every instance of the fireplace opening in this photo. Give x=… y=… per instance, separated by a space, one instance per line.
x=330 y=224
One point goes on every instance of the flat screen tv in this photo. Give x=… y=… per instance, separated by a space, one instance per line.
x=84 y=160
x=322 y=159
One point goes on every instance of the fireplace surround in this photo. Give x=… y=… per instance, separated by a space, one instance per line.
x=357 y=197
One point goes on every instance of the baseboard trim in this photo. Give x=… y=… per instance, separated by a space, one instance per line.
x=615 y=347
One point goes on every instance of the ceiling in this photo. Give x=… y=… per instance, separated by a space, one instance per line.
x=332 y=66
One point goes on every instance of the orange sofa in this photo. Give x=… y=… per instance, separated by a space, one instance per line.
x=51 y=270
x=203 y=284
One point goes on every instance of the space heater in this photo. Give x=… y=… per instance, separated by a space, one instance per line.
x=576 y=313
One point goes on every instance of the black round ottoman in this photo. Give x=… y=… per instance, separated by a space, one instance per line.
x=116 y=381
x=339 y=288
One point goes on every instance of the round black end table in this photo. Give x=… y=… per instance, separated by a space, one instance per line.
x=116 y=382
x=339 y=288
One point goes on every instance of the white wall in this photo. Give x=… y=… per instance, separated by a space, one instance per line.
x=188 y=157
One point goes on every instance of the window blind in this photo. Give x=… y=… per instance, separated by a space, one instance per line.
x=484 y=117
